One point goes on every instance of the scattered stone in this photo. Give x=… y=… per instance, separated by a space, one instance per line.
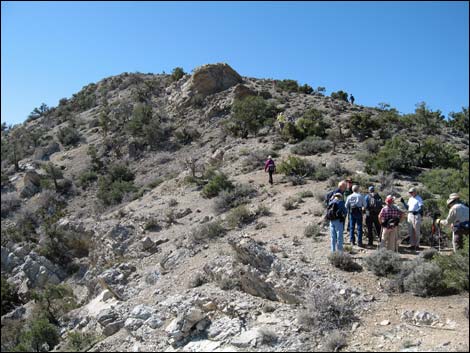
x=247 y=339
x=141 y=312
x=132 y=324
x=384 y=323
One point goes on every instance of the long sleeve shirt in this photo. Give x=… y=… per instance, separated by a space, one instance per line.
x=415 y=204
x=457 y=214
x=268 y=163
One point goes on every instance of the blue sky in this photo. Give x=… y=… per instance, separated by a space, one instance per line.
x=401 y=53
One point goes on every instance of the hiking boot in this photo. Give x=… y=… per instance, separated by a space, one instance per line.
x=361 y=245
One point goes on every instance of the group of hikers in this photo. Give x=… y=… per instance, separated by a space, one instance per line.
x=346 y=205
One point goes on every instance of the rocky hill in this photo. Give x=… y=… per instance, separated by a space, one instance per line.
x=136 y=216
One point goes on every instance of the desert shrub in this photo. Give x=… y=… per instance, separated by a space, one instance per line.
x=335 y=341
x=425 y=280
x=312 y=230
x=312 y=123
x=290 y=132
x=87 y=178
x=307 y=89
x=113 y=192
x=446 y=181
x=120 y=172
x=9 y=203
x=262 y=210
x=55 y=301
x=208 y=231
x=296 y=166
x=228 y=283
x=455 y=269
x=268 y=336
x=254 y=160
x=460 y=121
x=10 y=297
x=216 y=184
x=372 y=145
x=383 y=262
x=291 y=203
x=434 y=153
x=152 y=225
x=287 y=85
x=68 y=136
x=343 y=261
x=429 y=254
x=305 y=194
x=228 y=199
x=154 y=183
x=187 y=135
x=326 y=311
x=197 y=279
x=79 y=341
x=239 y=217
x=362 y=125
x=40 y=333
x=341 y=95
x=249 y=114
x=322 y=173
x=311 y=146
x=177 y=73
x=397 y=155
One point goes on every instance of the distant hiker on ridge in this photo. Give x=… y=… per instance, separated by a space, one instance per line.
x=270 y=167
x=351 y=98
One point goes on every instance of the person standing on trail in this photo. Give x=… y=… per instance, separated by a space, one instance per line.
x=355 y=204
x=389 y=218
x=351 y=98
x=458 y=219
x=348 y=191
x=270 y=167
x=373 y=207
x=415 y=217
x=336 y=213
x=341 y=188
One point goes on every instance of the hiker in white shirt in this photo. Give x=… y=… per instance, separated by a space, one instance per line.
x=415 y=217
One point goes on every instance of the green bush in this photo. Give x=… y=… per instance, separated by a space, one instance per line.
x=87 y=178
x=39 y=333
x=218 y=183
x=434 y=153
x=249 y=114
x=120 y=172
x=55 y=301
x=186 y=135
x=239 y=217
x=362 y=125
x=383 y=262
x=341 y=95
x=68 y=136
x=141 y=117
x=10 y=297
x=208 y=231
x=311 y=146
x=112 y=192
x=455 y=269
x=425 y=280
x=312 y=123
x=296 y=166
x=460 y=121
x=397 y=155
x=305 y=194
x=287 y=85
x=291 y=203
x=79 y=341
x=177 y=73
x=312 y=230
x=237 y=196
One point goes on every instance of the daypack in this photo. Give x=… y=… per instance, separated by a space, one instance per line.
x=462 y=228
x=391 y=223
x=375 y=203
x=328 y=197
x=271 y=167
x=333 y=212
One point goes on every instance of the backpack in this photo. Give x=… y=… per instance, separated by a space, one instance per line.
x=271 y=166
x=462 y=228
x=375 y=203
x=328 y=197
x=391 y=223
x=333 y=212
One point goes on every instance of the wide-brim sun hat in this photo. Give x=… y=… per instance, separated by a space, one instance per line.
x=269 y=157
x=412 y=190
x=389 y=199
x=338 y=194
x=452 y=198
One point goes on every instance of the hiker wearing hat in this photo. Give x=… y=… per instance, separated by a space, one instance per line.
x=373 y=207
x=458 y=219
x=270 y=167
x=336 y=213
x=389 y=218
x=415 y=216
x=355 y=204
